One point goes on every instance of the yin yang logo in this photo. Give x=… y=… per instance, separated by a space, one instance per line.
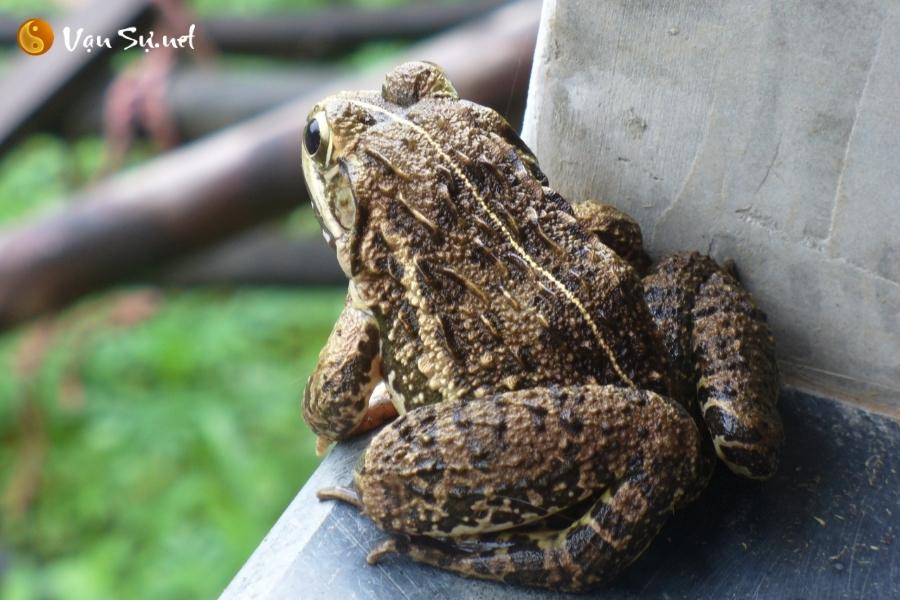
x=35 y=36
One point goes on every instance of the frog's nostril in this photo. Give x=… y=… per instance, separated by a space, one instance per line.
x=312 y=137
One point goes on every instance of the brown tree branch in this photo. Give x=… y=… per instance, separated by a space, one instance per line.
x=206 y=191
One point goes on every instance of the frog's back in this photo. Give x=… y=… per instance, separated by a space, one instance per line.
x=480 y=275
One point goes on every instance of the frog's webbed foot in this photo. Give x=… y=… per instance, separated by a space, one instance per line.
x=462 y=479
x=615 y=229
x=723 y=352
x=336 y=397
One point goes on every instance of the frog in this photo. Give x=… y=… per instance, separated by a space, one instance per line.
x=550 y=396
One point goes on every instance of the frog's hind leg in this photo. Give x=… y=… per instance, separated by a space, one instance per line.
x=721 y=346
x=454 y=476
x=589 y=553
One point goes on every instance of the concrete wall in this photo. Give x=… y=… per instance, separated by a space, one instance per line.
x=762 y=131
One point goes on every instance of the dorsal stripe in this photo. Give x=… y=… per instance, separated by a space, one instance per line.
x=458 y=171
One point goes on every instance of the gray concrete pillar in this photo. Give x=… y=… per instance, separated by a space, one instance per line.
x=764 y=132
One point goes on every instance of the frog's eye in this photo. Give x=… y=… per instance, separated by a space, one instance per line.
x=311 y=137
x=316 y=135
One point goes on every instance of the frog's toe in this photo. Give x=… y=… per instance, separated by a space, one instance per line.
x=342 y=494
x=381 y=410
x=386 y=548
x=322 y=445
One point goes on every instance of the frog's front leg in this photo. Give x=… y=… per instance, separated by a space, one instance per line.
x=336 y=400
x=455 y=475
x=615 y=229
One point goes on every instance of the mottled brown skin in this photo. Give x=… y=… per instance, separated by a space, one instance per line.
x=508 y=460
x=349 y=369
x=722 y=351
x=546 y=426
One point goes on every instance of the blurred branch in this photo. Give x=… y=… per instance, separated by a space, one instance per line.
x=199 y=194
x=258 y=258
x=322 y=34
x=202 y=99
x=334 y=31
x=70 y=81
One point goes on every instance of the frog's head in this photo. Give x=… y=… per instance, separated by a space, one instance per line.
x=333 y=131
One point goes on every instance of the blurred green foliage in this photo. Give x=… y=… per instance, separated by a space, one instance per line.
x=32 y=8
x=150 y=442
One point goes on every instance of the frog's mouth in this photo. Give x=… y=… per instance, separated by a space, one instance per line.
x=329 y=187
x=335 y=209
x=318 y=184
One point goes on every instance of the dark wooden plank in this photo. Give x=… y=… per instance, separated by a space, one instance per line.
x=258 y=258
x=824 y=528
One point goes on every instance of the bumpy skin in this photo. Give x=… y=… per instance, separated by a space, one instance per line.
x=450 y=470
x=616 y=230
x=545 y=430
x=721 y=347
